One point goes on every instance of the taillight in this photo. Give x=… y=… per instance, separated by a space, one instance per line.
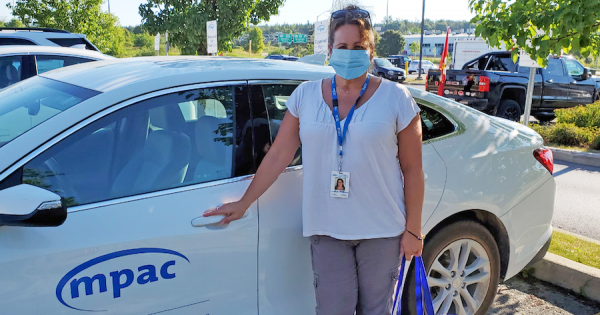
x=427 y=82
x=484 y=84
x=545 y=157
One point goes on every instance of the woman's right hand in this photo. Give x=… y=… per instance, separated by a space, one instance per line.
x=232 y=211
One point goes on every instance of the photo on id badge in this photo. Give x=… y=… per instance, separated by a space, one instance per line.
x=340 y=184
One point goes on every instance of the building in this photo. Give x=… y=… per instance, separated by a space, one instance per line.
x=433 y=45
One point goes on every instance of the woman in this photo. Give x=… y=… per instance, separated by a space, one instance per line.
x=360 y=127
x=340 y=184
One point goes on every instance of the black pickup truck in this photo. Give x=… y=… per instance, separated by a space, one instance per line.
x=494 y=84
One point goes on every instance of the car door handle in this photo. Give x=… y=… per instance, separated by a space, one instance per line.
x=549 y=81
x=204 y=221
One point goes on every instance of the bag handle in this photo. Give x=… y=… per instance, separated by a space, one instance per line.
x=422 y=288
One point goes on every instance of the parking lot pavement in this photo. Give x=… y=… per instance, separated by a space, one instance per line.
x=533 y=297
x=577 y=198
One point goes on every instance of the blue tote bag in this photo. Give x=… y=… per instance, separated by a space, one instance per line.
x=423 y=293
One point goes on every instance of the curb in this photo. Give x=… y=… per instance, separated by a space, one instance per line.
x=570 y=275
x=586 y=158
x=412 y=83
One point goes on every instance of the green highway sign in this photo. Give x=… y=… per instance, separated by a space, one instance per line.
x=299 y=38
x=285 y=38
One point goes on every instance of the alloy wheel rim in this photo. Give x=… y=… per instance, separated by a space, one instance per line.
x=459 y=278
x=511 y=114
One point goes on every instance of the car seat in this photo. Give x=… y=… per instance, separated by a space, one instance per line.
x=163 y=161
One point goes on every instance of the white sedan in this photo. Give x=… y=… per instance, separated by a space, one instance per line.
x=414 y=66
x=107 y=167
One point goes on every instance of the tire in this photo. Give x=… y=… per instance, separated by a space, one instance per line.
x=481 y=243
x=510 y=110
x=410 y=72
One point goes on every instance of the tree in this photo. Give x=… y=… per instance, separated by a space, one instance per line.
x=2 y=24
x=391 y=43
x=186 y=20
x=256 y=36
x=77 y=16
x=414 y=47
x=540 y=27
x=14 y=23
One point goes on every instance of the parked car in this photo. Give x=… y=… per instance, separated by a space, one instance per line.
x=120 y=158
x=494 y=84
x=399 y=61
x=21 y=62
x=385 y=69
x=44 y=37
x=414 y=66
x=282 y=57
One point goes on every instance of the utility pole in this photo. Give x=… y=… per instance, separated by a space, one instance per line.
x=421 y=46
x=108 y=6
x=387 y=12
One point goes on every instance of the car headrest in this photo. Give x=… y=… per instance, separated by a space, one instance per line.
x=12 y=74
x=213 y=137
x=167 y=117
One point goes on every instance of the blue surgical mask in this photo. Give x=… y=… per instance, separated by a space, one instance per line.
x=350 y=64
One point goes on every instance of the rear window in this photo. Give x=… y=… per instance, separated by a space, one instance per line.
x=501 y=63
x=9 y=41
x=73 y=43
x=29 y=103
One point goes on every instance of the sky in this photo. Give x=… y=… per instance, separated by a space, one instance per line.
x=301 y=11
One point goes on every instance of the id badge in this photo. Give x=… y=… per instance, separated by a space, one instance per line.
x=340 y=184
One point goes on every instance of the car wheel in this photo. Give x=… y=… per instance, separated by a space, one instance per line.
x=597 y=97
x=463 y=268
x=510 y=110
x=410 y=72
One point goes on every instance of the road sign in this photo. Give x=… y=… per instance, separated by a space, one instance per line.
x=321 y=37
x=157 y=42
x=285 y=38
x=212 y=45
x=299 y=38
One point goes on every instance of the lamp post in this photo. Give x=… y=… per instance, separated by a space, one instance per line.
x=420 y=66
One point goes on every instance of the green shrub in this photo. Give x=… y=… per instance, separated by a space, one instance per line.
x=582 y=116
x=596 y=143
x=569 y=134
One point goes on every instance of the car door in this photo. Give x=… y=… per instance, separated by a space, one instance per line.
x=45 y=63
x=556 y=90
x=582 y=89
x=285 y=284
x=137 y=181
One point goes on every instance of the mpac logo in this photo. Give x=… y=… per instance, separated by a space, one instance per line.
x=110 y=284
x=321 y=28
x=211 y=25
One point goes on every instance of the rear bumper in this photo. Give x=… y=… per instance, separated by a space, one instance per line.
x=476 y=103
x=540 y=255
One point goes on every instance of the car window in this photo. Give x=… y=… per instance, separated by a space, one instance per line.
x=554 y=67
x=477 y=64
x=383 y=63
x=72 y=42
x=164 y=142
x=46 y=63
x=275 y=97
x=11 y=68
x=501 y=63
x=31 y=102
x=434 y=123
x=8 y=41
x=574 y=68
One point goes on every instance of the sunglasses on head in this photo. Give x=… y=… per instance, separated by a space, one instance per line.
x=358 y=13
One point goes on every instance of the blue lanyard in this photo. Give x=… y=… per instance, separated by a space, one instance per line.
x=336 y=115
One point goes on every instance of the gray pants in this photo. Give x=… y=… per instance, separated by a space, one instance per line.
x=355 y=275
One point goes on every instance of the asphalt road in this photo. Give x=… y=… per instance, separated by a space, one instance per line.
x=577 y=207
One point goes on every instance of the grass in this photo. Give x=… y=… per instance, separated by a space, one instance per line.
x=575 y=249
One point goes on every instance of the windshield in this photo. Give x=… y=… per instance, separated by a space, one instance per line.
x=31 y=102
x=383 y=63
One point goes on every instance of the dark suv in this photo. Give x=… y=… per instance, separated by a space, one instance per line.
x=399 y=61
x=385 y=69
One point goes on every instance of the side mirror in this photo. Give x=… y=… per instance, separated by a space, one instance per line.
x=27 y=205
x=587 y=74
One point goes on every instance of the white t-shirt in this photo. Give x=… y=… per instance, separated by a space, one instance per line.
x=375 y=207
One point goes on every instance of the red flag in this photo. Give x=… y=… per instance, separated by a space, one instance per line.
x=443 y=66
